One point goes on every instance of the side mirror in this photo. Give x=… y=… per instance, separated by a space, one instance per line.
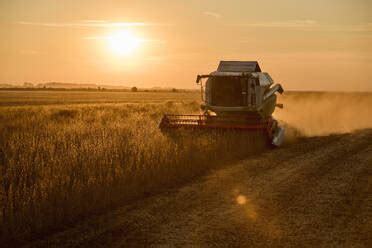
x=198 y=79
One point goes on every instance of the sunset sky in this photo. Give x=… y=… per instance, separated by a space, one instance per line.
x=306 y=45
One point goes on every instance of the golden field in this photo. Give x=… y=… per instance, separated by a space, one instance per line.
x=67 y=155
x=63 y=162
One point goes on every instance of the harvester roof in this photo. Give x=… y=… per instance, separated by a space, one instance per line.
x=238 y=66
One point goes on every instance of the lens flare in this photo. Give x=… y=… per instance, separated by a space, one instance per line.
x=241 y=200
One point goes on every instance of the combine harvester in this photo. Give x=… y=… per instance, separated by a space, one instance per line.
x=238 y=96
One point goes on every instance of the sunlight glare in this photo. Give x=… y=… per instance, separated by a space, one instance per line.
x=123 y=42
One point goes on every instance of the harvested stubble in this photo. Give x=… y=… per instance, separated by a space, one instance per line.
x=62 y=163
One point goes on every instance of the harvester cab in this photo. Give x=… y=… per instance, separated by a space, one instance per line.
x=237 y=96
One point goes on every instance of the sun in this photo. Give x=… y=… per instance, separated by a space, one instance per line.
x=123 y=42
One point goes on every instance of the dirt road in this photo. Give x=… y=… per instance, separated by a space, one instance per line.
x=316 y=192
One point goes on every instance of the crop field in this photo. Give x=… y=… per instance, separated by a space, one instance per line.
x=67 y=156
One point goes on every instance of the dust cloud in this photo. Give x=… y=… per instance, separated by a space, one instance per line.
x=323 y=113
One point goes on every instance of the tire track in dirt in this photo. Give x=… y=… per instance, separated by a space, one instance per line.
x=324 y=199
x=353 y=202
x=316 y=192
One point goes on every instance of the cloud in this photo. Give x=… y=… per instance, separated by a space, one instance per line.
x=364 y=27
x=154 y=41
x=311 y=25
x=285 y=24
x=212 y=14
x=95 y=21
x=89 y=24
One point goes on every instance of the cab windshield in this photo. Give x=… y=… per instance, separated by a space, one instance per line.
x=228 y=91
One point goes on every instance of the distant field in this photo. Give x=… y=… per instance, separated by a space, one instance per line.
x=18 y=98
